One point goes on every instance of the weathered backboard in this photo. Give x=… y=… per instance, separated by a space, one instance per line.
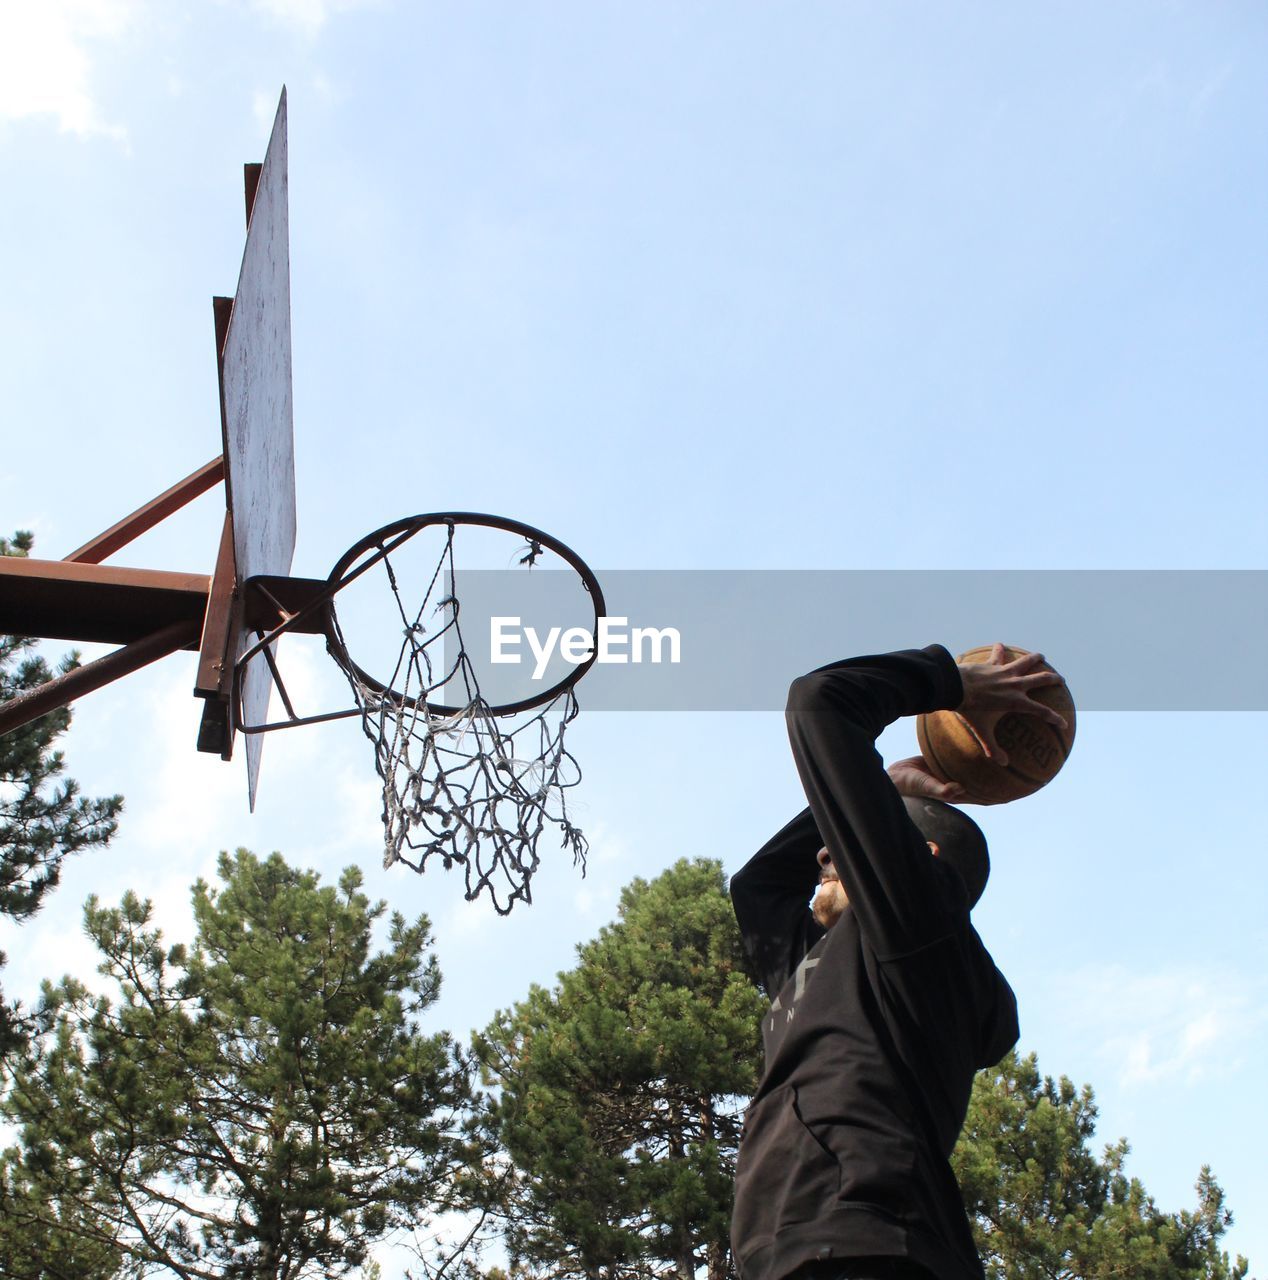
x=255 y=412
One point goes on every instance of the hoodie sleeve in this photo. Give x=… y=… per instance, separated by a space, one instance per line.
x=834 y=717
x=771 y=895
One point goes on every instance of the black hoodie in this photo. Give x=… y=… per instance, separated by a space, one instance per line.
x=878 y=1026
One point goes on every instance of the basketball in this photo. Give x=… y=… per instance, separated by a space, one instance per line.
x=1036 y=750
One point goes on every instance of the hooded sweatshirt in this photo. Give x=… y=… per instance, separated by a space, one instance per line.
x=877 y=1025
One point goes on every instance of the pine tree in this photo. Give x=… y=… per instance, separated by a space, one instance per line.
x=1045 y=1205
x=43 y=818
x=616 y=1106
x=52 y=1232
x=619 y=1093
x=261 y=1104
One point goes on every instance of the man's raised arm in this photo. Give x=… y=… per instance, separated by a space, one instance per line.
x=771 y=895
x=834 y=716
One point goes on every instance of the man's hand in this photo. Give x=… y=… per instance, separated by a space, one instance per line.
x=998 y=688
x=913 y=777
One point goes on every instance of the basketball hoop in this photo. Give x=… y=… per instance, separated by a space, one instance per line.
x=467 y=781
x=471 y=776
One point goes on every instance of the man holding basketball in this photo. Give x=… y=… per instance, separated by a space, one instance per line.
x=885 y=1001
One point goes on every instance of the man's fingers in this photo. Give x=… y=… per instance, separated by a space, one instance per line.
x=994 y=752
x=972 y=728
x=935 y=790
x=999 y=658
x=1037 y=679
x=926 y=784
x=1048 y=714
x=985 y=735
x=1032 y=706
x=1024 y=704
x=1028 y=706
x=912 y=778
x=909 y=762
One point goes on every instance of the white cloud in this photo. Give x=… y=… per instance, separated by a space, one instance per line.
x=463 y=921
x=49 y=50
x=307 y=16
x=1168 y=1025
x=264 y=108
x=46 y=55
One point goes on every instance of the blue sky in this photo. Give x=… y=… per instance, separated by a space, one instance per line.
x=694 y=286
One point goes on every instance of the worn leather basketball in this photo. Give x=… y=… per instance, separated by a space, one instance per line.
x=1036 y=750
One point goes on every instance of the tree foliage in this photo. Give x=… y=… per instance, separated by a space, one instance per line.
x=606 y=1081
x=1045 y=1207
x=43 y=818
x=619 y=1093
x=261 y=1104
x=49 y=1232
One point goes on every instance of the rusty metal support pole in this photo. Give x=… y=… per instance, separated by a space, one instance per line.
x=154 y=512
x=62 y=690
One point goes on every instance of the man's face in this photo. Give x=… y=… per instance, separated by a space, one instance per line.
x=831 y=900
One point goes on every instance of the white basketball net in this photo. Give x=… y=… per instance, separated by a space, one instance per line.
x=467 y=788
